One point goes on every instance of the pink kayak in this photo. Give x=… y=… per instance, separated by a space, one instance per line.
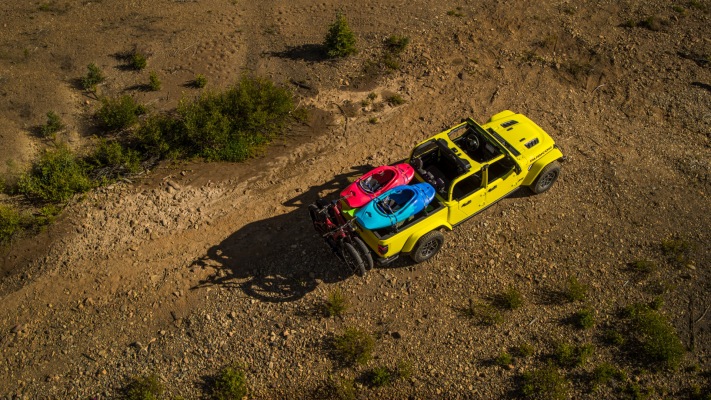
x=375 y=182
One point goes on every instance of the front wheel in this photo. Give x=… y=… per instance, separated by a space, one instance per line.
x=546 y=178
x=353 y=259
x=427 y=246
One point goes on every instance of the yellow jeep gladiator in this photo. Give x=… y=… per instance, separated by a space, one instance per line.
x=471 y=167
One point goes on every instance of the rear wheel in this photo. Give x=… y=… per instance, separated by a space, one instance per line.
x=353 y=259
x=364 y=252
x=427 y=246
x=546 y=178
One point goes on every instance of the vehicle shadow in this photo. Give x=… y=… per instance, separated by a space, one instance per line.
x=282 y=258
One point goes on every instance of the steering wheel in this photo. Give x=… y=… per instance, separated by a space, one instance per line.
x=472 y=142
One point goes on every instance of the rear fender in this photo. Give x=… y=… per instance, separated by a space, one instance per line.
x=412 y=240
x=536 y=168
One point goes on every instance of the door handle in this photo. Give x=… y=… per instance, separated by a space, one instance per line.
x=466 y=203
x=490 y=189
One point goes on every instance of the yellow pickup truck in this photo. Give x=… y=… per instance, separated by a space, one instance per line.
x=471 y=167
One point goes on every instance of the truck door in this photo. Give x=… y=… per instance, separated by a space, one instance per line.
x=468 y=197
x=502 y=179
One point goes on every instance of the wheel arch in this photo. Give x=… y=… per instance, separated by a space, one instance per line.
x=537 y=167
x=412 y=240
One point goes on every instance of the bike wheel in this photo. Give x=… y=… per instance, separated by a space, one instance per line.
x=365 y=252
x=352 y=258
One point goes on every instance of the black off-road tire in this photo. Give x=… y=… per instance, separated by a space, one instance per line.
x=353 y=259
x=546 y=178
x=427 y=246
x=364 y=252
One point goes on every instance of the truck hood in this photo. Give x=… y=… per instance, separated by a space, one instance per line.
x=522 y=134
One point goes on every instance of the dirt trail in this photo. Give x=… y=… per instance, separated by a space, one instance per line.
x=198 y=265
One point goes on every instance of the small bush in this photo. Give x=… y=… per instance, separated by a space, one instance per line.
x=200 y=81
x=372 y=96
x=380 y=376
x=154 y=82
x=395 y=100
x=119 y=113
x=138 y=61
x=55 y=177
x=403 y=370
x=605 y=373
x=112 y=160
x=354 y=346
x=643 y=267
x=504 y=359
x=338 y=388
x=575 y=291
x=373 y=120
x=613 y=337
x=340 y=40
x=677 y=251
x=524 y=350
x=230 y=384
x=336 y=304
x=655 y=336
x=482 y=313
x=10 y=223
x=93 y=77
x=396 y=44
x=54 y=124
x=569 y=356
x=455 y=13
x=584 y=319
x=390 y=62
x=510 y=299
x=144 y=388
x=545 y=383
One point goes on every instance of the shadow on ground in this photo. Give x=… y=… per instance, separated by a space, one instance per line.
x=282 y=258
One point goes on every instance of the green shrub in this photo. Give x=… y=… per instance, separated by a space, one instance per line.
x=354 y=346
x=569 y=356
x=677 y=251
x=455 y=13
x=575 y=291
x=655 y=337
x=93 y=77
x=613 y=337
x=54 y=124
x=10 y=223
x=524 y=350
x=55 y=177
x=396 y=44
x=340 y=40
x=112 y=160
x=373 y=120
x=545 y=383
x=380 y=376
x=154 y=82
x=119 y=113
x=338 y=388
x=605 y=373
x=138 y=61
x=200 y=81
x=510 y=299
x=403 y=370
x=395 y=100
x=482 y=313
x=504 y=359
x=644 y=267
x=336 y=304
x=230 y=384
x=584 y=319
x=144 y=388
x=227 y=126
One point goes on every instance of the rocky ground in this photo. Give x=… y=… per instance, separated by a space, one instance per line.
x=193 y=266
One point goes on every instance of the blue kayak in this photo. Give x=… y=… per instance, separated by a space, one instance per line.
x=395 y=205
